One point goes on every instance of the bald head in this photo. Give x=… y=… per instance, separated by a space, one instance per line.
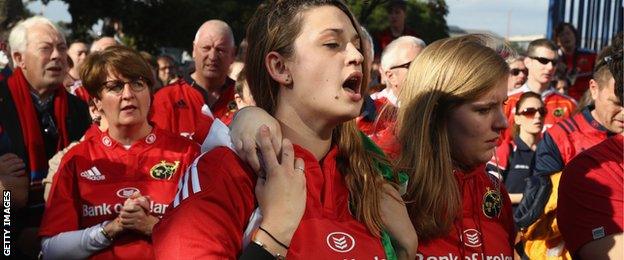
x=215 y=27
x=395 y=61
x=213 y=53
x=400 y=51
x=102 y=43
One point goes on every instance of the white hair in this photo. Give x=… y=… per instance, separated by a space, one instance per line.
x=224 y=26
x=387 y=56
x=368 y=38
x=18 y=38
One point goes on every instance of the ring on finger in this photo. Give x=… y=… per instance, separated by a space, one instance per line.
x=300 y=168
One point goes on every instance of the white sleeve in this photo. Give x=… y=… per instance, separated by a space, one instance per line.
x=218 y=135
x=77 y=244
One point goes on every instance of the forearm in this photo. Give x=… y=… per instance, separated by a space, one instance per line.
x=78 y=244
x=515 y=198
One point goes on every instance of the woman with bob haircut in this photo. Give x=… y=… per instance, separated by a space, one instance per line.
x=448 y=125
x=306 y=70
x=111 y=188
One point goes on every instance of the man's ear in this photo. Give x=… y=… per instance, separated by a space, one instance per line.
x=18 y=59
x=391 y=78
x=527 y=61
x=276 y=66
x=593 y=89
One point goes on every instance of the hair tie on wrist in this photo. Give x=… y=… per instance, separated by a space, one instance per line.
x=272 y=237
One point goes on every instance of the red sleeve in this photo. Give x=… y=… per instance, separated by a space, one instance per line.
x=161 y=110
x=214 y=202
x=591 y=198
x=62 y=210
x=501 y=157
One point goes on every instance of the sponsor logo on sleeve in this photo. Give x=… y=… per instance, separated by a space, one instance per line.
x=340 y=242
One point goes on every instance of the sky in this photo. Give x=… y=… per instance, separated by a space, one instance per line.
x=524 y=17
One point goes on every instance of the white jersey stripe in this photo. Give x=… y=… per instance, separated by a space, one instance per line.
x=97 y=172
x=185 y=192
x=195 y=176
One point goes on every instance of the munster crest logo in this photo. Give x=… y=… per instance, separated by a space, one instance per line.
x=164 y=170
x=492 y=203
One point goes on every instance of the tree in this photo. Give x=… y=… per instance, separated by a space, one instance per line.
x=11 y=11
x=172 y=23
x=157 y=23
x=426 y=17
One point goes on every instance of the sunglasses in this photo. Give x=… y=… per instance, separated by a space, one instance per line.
x=515 y=72
x=117 y=86
x=531 y=111
x=543 y=60
x=405 y=66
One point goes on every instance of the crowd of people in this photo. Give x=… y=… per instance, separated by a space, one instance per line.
x=320 y=141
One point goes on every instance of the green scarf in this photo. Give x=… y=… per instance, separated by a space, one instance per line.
x=386 y=171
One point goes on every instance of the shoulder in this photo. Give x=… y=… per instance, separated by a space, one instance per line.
x=556 y=96
x=171 y=140
x=172 y=89
x=217 y=171
x=75 y=102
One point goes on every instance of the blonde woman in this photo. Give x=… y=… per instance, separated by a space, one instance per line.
x=448 y=125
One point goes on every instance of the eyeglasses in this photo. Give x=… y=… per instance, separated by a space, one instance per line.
x=531 y=111
x=543 y=60
x=405 y=66
x=117 y=86
x=515 y=72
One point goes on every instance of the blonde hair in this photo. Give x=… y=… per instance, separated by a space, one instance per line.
x=274 y=27
x=446 y=74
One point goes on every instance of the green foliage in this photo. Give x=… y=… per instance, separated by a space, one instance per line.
x=150 y=24
x=427 y=18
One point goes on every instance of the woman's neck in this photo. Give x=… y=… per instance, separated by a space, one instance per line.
x=310 y=133
x=529 y=139
x=126 y=135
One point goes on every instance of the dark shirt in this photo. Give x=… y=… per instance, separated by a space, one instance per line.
x=521 y=163
x=49 y=131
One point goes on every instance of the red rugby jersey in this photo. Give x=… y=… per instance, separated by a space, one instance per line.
x=486 y=230
x=591 y=194
x=385 y=112
x=178 y=109
x=97 y=175
x=215 y=203
x=559 y=108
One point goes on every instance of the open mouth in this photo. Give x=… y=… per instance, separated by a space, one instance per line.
x=353 y=83
x=128 y=108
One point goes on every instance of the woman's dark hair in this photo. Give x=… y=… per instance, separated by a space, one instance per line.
x=562 y=26
x=118 y=59
x=516 y=129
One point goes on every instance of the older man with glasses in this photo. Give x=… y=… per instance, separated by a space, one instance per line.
x=395 y=61
x=38 y=118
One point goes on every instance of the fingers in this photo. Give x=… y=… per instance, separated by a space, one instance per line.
x=250 y=153
x=276 y=138
x=299 y=166
x=266 y=148
x=288 y=154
